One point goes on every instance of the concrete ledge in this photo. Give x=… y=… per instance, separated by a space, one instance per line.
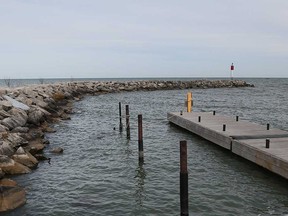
x=274 y=159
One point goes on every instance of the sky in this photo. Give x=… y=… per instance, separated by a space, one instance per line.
x=148 y=38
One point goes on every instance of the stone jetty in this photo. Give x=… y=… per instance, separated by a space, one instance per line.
x=26 y=114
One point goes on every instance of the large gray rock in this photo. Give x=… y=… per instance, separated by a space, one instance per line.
x=25 y=158
x=20 y=130
x=16 y=103
x=11 y=195
x=4 y=114
x=10 y=167
x=36 y=115
x=57 y=150
x=6 y=105
x=11 y=142
x=6 y=148
x=16 y=139
x=3 y=128
x=24 y=99
x=18 y=119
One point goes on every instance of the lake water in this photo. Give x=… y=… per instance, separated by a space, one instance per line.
x=99 y=174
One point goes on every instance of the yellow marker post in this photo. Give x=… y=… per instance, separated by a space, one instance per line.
x=189 y=101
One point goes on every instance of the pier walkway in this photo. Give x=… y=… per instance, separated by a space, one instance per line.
x=265 y=146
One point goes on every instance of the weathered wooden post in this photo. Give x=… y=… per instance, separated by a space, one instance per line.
x=237 y=118
x=189 y=101
x=267 y=143
x=199 y=118
x=214 y=112
x=224 y=127
x=127 y=122
x=120 y=118
x=268 y=126
x=183 y=179
x=140 y=139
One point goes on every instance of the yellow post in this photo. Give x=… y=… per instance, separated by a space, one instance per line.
x=189 y=101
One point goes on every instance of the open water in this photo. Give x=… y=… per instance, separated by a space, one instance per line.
x=99 y=174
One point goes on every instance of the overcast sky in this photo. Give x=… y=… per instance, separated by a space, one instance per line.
x=148 y=38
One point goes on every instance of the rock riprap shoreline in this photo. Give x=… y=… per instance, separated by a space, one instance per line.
x=26 y=114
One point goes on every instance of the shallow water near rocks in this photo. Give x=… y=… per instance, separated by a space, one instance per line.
x=99 y=174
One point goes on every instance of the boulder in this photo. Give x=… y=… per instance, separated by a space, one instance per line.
x=25 y=158
x=7 y=182
x=24 y=99
x=6 y=105
x=6 y=148
x=3 y=128
x=10 y=167
x=4 y=114
x=36 y=115
x=40 y=103
x=2 y=174
x=35 y=146
x=11 y=195
x=10 y=143
x=20 y=130
x=36 y=133
x=40 y=157
x=57 y=150
x=18 y=118
x=16 y=103
x=16 y=139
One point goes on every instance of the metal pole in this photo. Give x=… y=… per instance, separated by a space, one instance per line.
x=140 y=139
x=127 y=122
x=183 y=179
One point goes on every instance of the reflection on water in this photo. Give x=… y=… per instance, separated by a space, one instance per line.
x=139 y=184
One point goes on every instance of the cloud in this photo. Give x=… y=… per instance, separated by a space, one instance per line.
x=150 y=37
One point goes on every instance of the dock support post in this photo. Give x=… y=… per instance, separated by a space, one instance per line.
x=267 y=143
x=224 y=127
x=140 y=139
x=189 y=101
x=268 y=126
x=127 y=122
x=214 y=112
x=183 y=179
x=237 y=118
x=120 y=118
x=199 y=118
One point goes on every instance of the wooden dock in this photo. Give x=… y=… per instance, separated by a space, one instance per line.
x=242 y=137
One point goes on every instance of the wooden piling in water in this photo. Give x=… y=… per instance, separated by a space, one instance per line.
x=183 y=179
x=120 y=118
x=140 y=139
x=127 y=122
